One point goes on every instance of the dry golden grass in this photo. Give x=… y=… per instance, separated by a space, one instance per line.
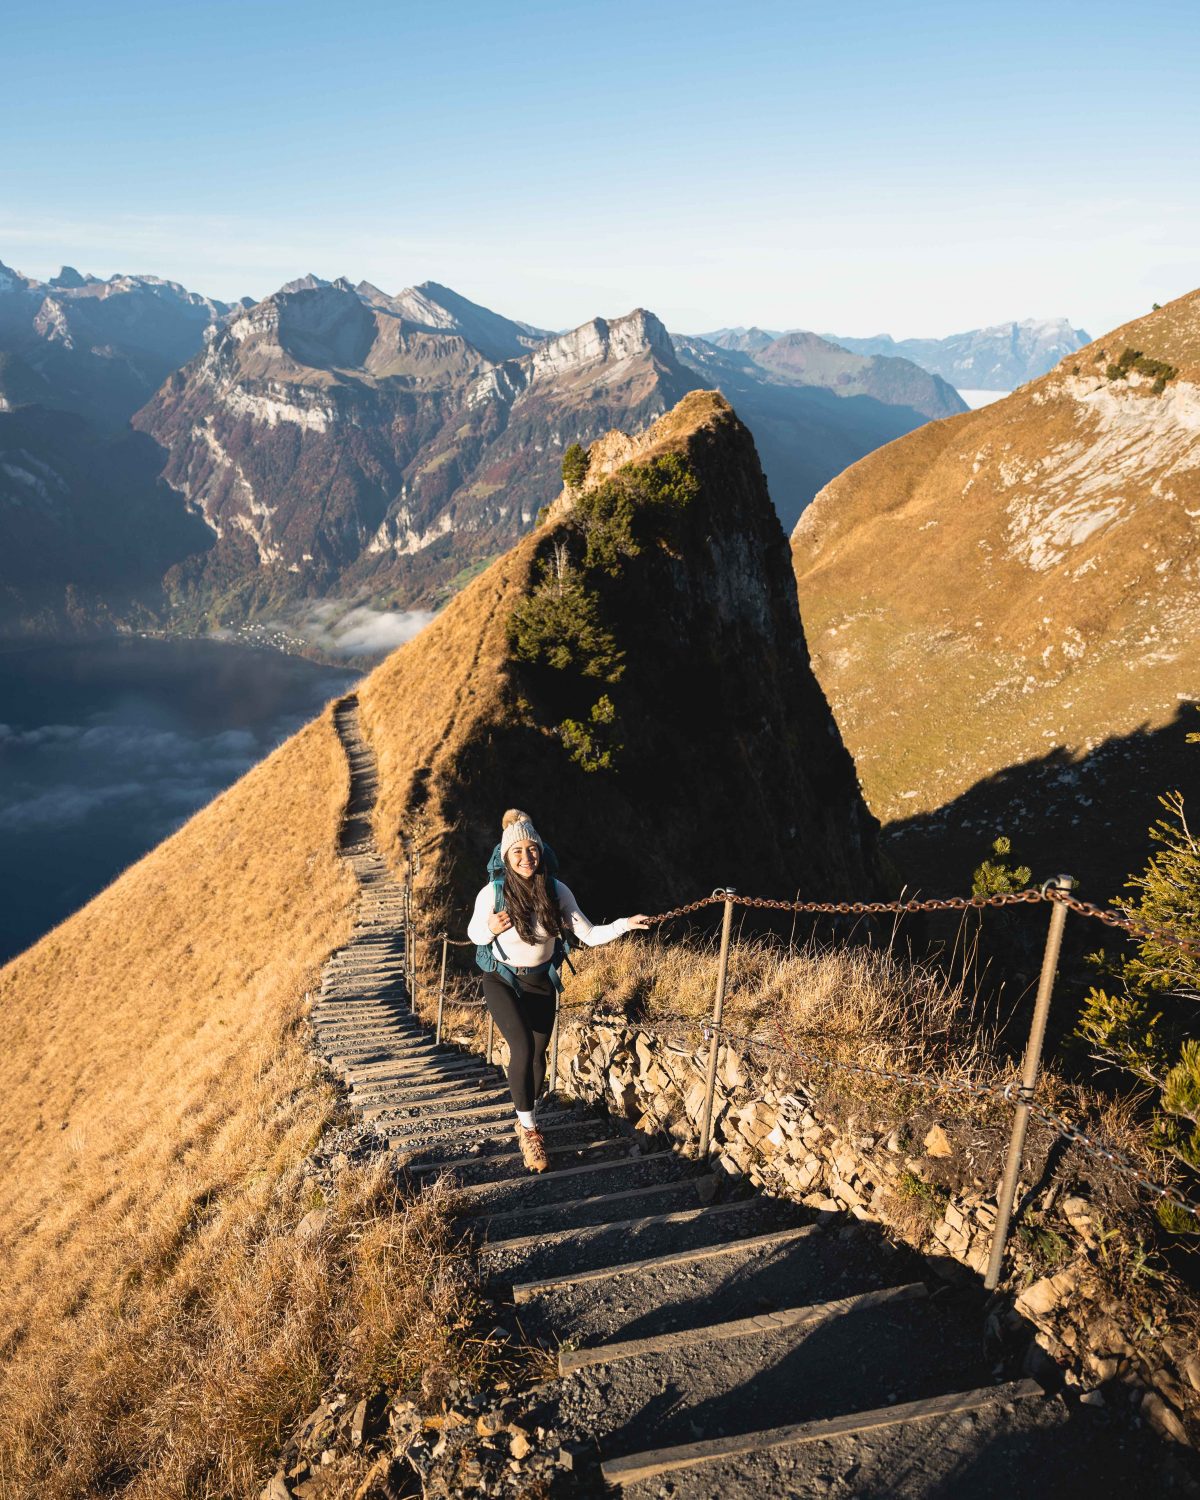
x=864 y=1005
x=816 y=1008
x=161 y=1323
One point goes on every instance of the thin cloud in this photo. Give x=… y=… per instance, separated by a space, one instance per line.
x=348 y=630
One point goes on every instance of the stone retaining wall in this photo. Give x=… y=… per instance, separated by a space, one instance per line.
x=779 y=1142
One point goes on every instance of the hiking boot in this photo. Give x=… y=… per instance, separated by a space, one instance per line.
x=533 y=1148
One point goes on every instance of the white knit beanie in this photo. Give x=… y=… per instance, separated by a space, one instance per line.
x=517 y=829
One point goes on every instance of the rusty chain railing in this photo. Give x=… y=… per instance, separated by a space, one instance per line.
x=1058 y=892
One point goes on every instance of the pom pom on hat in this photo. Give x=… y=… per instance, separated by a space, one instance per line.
x=518 y=829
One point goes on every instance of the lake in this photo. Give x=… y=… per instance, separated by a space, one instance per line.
x=107 y=747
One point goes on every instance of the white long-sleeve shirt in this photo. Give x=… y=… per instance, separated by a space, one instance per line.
x=511 y=949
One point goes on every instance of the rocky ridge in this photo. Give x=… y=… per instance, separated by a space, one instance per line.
x=711 y=641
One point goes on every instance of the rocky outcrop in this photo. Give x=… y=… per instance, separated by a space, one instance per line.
x=719 y=758
x=1004 y=605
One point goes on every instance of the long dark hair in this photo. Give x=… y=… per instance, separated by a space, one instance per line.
x=532 y=903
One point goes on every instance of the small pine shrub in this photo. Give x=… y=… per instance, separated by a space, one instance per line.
x=998 y=876
x=575 y=466
x=633 y=509
x=593 y=746
x=558 y=624
x=1157 y=369
x=1145 y=1024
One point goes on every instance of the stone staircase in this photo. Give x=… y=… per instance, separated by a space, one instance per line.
x=710 y=1343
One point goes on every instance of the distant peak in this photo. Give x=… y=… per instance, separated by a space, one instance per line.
x=68 y=278
x=309 y=283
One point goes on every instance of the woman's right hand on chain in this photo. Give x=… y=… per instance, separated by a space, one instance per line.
x=499 y=922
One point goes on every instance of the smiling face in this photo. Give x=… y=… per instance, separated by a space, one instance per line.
x=524 y=858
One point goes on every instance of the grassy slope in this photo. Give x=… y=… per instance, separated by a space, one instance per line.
x=1014 y=579
x=154 y=1094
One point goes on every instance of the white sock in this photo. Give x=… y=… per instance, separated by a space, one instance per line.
x=526 y=1118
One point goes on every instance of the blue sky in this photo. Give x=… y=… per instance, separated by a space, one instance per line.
x=859 y=167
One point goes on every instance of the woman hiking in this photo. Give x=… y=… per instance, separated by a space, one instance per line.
x=521 y=920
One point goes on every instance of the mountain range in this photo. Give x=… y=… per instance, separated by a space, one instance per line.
x=1004 y=609
x=998 y=358
x=335 y=440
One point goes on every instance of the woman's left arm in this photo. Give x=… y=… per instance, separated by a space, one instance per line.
x=588 y=932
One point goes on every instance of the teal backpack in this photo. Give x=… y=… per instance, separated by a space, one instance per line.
x=484 y=956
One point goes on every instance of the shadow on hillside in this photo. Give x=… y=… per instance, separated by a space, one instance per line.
x=1087 y=818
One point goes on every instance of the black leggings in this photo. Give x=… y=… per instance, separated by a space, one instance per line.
x=525 y=1024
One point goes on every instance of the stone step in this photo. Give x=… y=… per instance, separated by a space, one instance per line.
x=477 y=1102
x=808 y=1316
x=832 y=1432
x=419 y=1136
x=563 y=1180
x=492 y=1162
x=384 y=1052
x=877 y=1356
x=832 y=1262
x=468 y=1085
x=536 y=1257
x=500 y=1225
x=397 y=1116
x=430 y=1067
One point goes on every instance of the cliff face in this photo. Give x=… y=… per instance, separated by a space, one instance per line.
x=337 y=440
x=1017 y=587
x=725 y=766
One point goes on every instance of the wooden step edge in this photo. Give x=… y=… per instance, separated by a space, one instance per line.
x=569 y=1205
x=557 y=1236
x=343 y=1059
x=811 y=1315
x=449 y=1122
x=413 y=1141
x=431 y=1069
x=640 y=1466
x=437 y=1116
x=491 y=1097
x=474 y=1188
x=526 y=1291
x=344 y=1036
x=437 y=1107
x=432 y=1168
x=373 y=1089
x=452 y=1071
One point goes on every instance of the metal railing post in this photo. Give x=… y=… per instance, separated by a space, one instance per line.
x=554 y=1049
x=718 y=1009
x=437 y=1040
x=1029 y=1074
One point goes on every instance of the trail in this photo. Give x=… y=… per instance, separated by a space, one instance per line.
x=712 y=1342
